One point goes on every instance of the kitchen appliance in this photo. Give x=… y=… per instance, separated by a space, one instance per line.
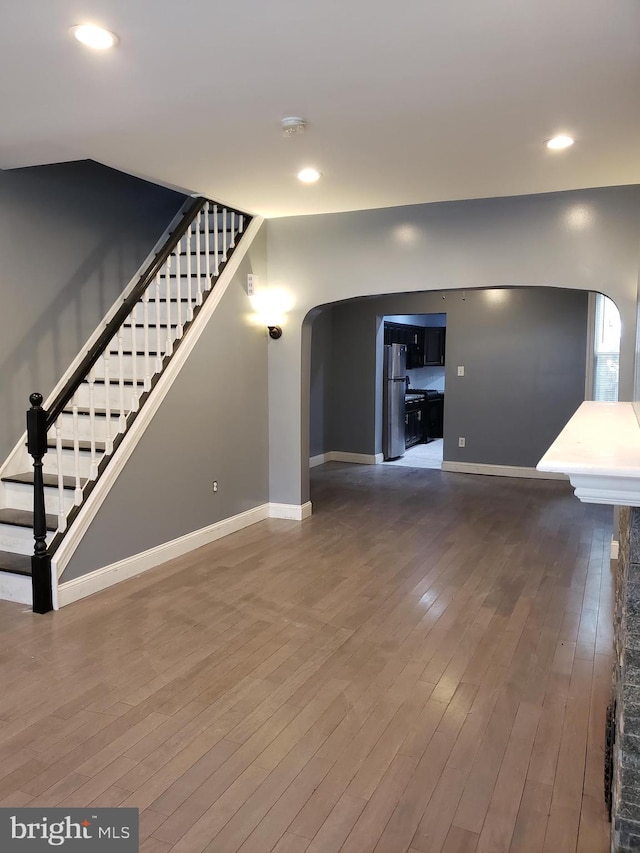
x=393 y=409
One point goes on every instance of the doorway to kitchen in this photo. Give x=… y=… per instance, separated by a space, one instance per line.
x=413 y=389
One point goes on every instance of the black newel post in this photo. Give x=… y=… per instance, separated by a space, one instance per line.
x=41 y=560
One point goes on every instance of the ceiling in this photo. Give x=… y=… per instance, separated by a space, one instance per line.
x=406 y=102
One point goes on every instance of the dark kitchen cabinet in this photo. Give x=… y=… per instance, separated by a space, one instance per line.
x=412 y=337
x=414 y=424
x=434 y=341
x=433 y=411
x=425 y=344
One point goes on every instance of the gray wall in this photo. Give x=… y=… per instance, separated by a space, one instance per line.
x=71 y=237
x=320 y=439
x=212 y=425
x=579 y=240
x=524 y=352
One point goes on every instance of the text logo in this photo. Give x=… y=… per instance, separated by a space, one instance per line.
x=32 y=830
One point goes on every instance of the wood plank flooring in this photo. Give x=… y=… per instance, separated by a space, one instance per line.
x=423 y=666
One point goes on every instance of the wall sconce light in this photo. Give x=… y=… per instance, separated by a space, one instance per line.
x=271 y=305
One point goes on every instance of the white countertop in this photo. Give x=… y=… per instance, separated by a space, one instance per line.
x=599 y=450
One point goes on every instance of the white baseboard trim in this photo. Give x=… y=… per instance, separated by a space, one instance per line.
x=15 y=588
x=614 y=550
x=343 y=456
x=294 y=512
x=100 y=579
x=320 y=459
x=501 y=471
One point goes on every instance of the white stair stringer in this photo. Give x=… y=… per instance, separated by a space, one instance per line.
x=92 y=504
x=98 y=413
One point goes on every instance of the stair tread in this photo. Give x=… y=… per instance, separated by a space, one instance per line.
x=17 y=564
x=24 y=518
x=114 y=354
x=194 y=275
x=49 y=480
x=174 y=298
x=150 y=325
x=83 y=446
x=114 y=412
x=139 y=382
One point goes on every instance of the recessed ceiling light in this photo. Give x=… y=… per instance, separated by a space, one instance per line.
x=559 y=142
x=96 y=37
x=308 y=176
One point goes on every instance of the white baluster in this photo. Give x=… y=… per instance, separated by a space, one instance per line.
x=93 y=467
x=198 y=258
x=224 y=233
x=216 y=260
x=108 y=441
x=77 y=496
x=180 y=329
x=187 y=240
x=122 y=421
x=156 y=297
x=134 y=372
x=233 y=229
x=147 y=350
x=240 y=223
x=62 y=518
x=207 y=236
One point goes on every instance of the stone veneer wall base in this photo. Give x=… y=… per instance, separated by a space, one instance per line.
x=625 y=812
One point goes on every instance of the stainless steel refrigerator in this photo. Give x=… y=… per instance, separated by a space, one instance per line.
x=395 y=370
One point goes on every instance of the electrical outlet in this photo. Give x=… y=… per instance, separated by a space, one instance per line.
x=462 y=442
x=215 y=485
x=460 y=370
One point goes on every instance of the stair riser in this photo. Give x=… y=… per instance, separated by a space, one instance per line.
x=15 y=588
x=18 y=539
x=101 y=392
x=116 y=365
x=199 y=243
x=167 y=311
x=172 y=284
x=50 y=463
x=84 y=427
x=20 y=496
x=133 y=338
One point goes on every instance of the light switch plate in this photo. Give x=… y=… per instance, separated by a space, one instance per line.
x=460 y=370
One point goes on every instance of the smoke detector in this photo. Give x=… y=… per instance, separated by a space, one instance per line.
x=293 y=126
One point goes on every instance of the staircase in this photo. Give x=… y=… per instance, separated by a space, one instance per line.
x=96 y=403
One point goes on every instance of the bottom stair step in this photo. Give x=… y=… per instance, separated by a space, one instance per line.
x=17 y=564
x=48 y=480
x=24 y=518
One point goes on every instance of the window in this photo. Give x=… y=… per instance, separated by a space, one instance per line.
x=606 y=350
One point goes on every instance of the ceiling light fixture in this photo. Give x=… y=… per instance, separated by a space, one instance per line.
x=95 y=37
x=559 y=142
x=292 y=126
x=308 y=176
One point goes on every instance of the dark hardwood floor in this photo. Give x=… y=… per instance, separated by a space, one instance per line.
x=423 y=665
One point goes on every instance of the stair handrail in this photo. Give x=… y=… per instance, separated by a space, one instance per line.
x=147 y=277
x=94 y=353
